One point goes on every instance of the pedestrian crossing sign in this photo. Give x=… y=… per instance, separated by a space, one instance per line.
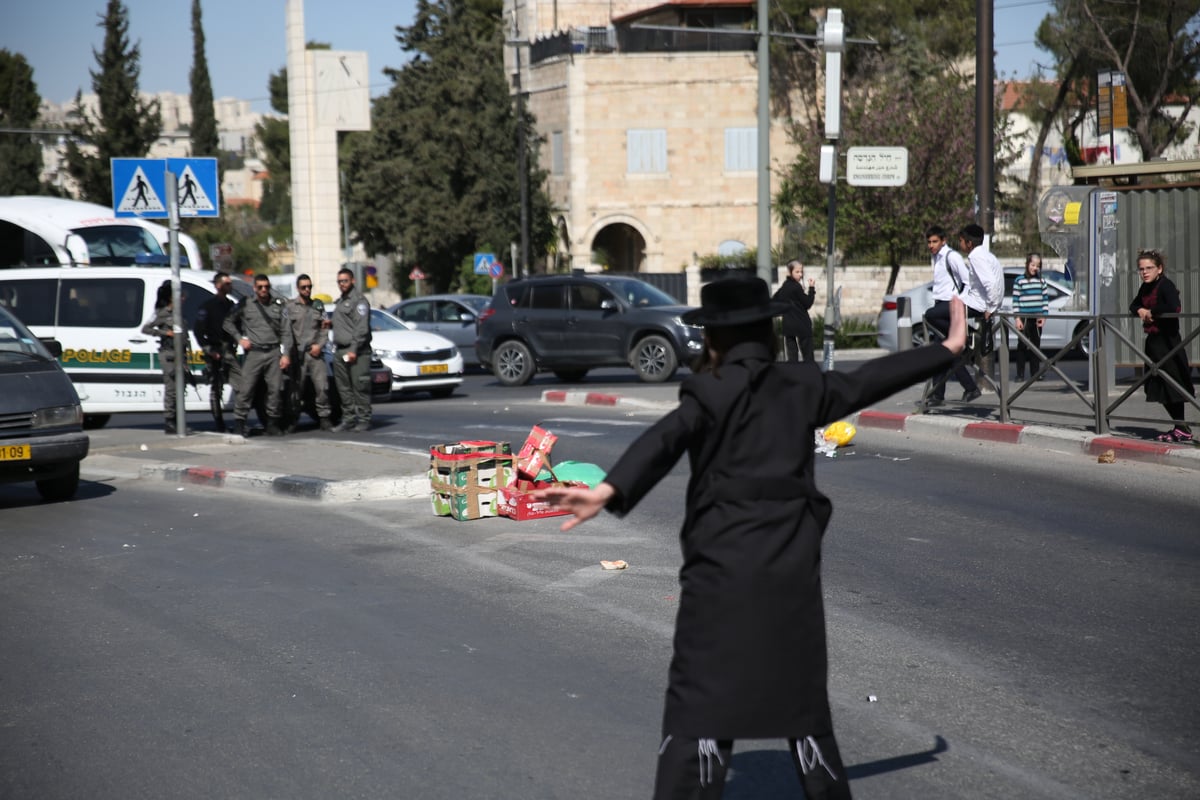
x=198 y=193
x=139 y=187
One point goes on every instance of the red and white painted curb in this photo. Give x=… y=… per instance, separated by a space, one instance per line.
x=1012 y=433
x=582 y=398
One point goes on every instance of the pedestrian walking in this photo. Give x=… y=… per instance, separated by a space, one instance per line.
x=257 y=324
x=304 y=337
x=796 y=323
x=162 y=325
x=220 y=349
x=352 y=354
x=1156 y=297
x=1030 y=305
x=950 y=278
x=749 y=648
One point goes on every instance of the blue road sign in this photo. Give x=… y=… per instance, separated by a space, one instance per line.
x=483 y=263
x=139 y=187
x=199 y=194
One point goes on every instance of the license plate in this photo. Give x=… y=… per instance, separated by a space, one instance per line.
x=434 y=369
x=15 y=452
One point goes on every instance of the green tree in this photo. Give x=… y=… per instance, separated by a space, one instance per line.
x=898 y=110
x=20 y=154
x=205 y=140
x=273 y=135
x=1154 y=42
x=436 y=177
x=125 y=126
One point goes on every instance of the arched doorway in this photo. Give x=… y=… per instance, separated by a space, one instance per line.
x=621 y=247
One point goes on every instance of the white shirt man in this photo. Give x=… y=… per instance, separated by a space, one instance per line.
x=984 y=290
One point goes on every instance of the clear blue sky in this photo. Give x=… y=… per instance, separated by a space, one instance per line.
x=246 y=40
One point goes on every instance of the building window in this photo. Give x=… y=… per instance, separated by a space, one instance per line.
x=741 y=149
x=556 y=153
x=646 y=150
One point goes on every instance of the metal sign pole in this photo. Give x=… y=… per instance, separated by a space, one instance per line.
x=180 y=337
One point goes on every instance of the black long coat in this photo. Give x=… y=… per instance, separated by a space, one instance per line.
x=749 y=652
x=796 y=322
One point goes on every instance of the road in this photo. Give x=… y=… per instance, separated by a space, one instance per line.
x=1024 y=621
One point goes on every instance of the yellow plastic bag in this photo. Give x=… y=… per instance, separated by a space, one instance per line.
x=840 y=433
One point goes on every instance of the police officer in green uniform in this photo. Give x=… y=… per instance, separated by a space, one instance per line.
x=258 y=326
x=304 y=340
x=352 y=354
x=162 y=325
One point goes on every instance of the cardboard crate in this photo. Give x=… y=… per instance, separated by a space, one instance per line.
x=514 y=501
x=464 y=477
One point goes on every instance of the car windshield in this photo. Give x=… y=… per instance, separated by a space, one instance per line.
x=477 y=302
x=118 y=245
x=16 y=340
x=638 y=293
x=383 y=321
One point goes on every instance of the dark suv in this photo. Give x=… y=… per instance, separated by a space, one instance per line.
x=569 y=324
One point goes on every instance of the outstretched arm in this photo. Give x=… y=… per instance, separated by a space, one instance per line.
x=582 y=503
x=956 y=339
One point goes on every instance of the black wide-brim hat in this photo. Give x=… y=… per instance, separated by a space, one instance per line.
x=734 y=301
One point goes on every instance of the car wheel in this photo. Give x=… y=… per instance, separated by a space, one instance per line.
x=570 y=375
x=654 y=359
x=512 y=364
x=1085 y=344
x=56 y=489
x=93 y=422
x=443 y=392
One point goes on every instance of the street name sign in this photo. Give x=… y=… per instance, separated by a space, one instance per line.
x=877 y=166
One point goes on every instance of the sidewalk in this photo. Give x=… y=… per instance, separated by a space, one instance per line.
x=325 y=467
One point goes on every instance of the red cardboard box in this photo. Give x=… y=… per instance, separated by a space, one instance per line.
x=514 y=501
x=535 y=453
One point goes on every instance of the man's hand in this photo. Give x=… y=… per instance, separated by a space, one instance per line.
x=244 y=342
x=284 y=362
x=351 y=357
x=582 y=503
x=315 y=351
x=956 y=339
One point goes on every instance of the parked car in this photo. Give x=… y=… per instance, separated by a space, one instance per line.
x=41 y=420
x=450 y=315
x=569 y=324
x=1056 y=332
x=419 y=361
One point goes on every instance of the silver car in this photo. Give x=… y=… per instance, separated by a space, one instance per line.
x=1056 y=332
x=449 y=315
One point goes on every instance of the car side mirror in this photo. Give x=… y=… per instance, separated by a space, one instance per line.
x=53 y=345
x=466 y=317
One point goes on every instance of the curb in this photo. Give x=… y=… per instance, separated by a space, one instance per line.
x=1052 y=438
x=584 y=398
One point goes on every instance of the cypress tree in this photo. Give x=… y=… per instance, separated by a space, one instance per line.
x=20 y=154
x=125 y=126
x=205 y=141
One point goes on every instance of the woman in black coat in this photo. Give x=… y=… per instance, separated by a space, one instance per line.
x=1158 y=296
x=797 y=324
x=749 y=650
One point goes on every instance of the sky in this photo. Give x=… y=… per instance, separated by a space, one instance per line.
x=245 y=41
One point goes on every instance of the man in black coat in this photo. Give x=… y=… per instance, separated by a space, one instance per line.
x=797 y=324
x=749 y=649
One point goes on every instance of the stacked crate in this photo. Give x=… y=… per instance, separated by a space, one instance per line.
x=464 y=477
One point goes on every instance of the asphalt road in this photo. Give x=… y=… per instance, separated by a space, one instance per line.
x=1024 y=621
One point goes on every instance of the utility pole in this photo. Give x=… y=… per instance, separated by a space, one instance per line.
x=985 y=137
x=833 y=41
x=522 y=168
x=763 y=262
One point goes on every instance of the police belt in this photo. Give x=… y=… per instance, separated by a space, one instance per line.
x=265 y=348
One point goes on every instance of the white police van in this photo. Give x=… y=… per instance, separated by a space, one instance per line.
x=54 y=231
x=97 y=315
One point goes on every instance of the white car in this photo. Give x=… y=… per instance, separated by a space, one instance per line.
x=419 y=361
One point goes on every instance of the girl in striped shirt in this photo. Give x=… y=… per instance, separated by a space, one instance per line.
x=1029 y=297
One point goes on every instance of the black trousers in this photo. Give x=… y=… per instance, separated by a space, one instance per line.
x=695 y=769
x=938 y=318
x=1033 y=333
x=798 y=348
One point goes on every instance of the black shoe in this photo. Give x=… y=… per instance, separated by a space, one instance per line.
x=326 y=425
x=220 y=426
x=343 y=427
x=239 y=428
x=934 y=402
x=362 y=427
x=273 y=428
x=1020 y=376
x=973 y=394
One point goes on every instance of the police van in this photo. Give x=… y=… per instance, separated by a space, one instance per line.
x=53 y=231
x=97 y=315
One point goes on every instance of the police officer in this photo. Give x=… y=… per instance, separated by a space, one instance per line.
x=352 y=354
x=220 y=349
x=162 y=325
x=258 y=326
x=304 y=340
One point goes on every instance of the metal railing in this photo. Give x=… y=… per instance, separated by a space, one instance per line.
x=1101 y=411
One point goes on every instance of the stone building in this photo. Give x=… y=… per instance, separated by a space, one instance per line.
x=649 y=136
